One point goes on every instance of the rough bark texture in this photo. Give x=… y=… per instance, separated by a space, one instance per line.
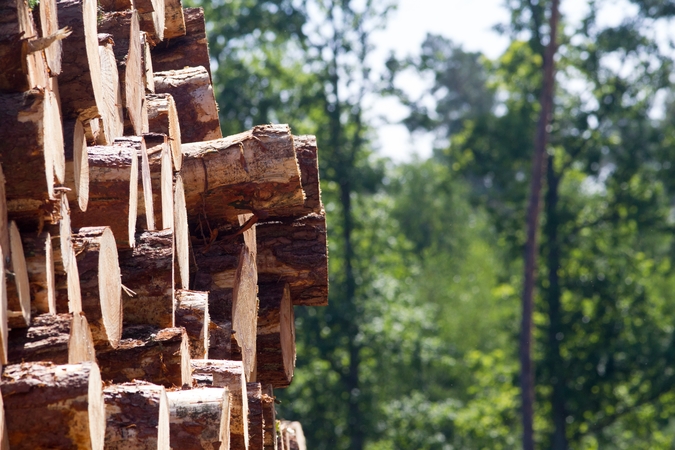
x=31 y=141
x=113 y=190
x=174 y=19
x=195 y=102
x=59 y=338
x=137 y=417
x=229 y=374
x=255 y=171
x=18 y=286
x=40 y=264
x=192 y=313
x=146 y=353
x=100 y=286
x=296 y=253
x=147 y=275
x=275 y=349
x=190 y=50
x=200 y=419
x=220 y=336
x=125 y=28
x=163 y=118
x=269 y=418
x=115 y=5
x=256 y=420
x=80 y=82
x=53 y=406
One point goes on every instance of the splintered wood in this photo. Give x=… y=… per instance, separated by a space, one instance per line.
x=149 y=267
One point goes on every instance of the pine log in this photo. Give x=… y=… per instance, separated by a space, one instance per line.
x=111 y=106
x=181 y=233
x=252 y=171
x=80 y=82
x=53 y=406
x=147 y=67
x=113 y=190
x=77 y=163
x=100 y=283
x=200 y=419
x=269 y=418
x=190 y=50
x=49 y=24
x=163 y=118
x=59 y=338
x=256 y=420
x=4 y=223
x=220 y=335
x=229 y=374
x=276 y=336
x=192 y=313
x=174 y=20
x=296 y=253
x=147 y=275
x=308 y=160
x=4 y=329
x=147 y=187
x=195 y=102
x=40 y=264
x=115 y=5
x=161 y=178
x=152 y=18
x=4 y=437
x=31 y=153
x=137 y=416
x=125 y=28
x=18 y=286
x=293 y=436
x=68 y=294
x=146 y=353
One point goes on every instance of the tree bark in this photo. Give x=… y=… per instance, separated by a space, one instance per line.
x=77 y=163
x=18 y=286
x=66 y=400
x=256 y=420
x=220 y=335
x=31 y=153
x=125 y=28
x=58 y=338
x=113 y=190
x=229 y=374
x=147 y=273
x=190 y=50
x=152 y=18
x=115 y=5
x=200 y=419
x=252 y=171
x=4 y=329
x=192 y=313
x=145 y=353
x=111 y=106
x=163 y=118
x=174 y=21
x=137 y=417
x=80 y=82
x=296 y=253
x=40 y=264
x=195 y=102
x=538 y=162
x=100 y=284
x=275 y=348
x=269 y=418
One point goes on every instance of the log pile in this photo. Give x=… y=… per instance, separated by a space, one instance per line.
x=149 y=266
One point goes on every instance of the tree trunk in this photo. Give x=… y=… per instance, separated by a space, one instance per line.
x=200 y=419
x=65 y=400
x=31 y=153
x=58 y=338
x=80 y=82
x=100 y=284
x=152 y=18
x=163 y=118
x=229 y=374
x=113 y=190
x=145 y=353
x=181 y=233
x=190 y=50
x=40 y=265
x=147 y=275
x=137 y=417
x=4 y=223
x=18 y=286
x=192 y=313
x=111 y=108
x=220 y=335
x=161 y=176
x=148 y=71
x=77 y=162
x=293 y=436
x=296 y=253
x=256 y=421
x=4 y=329
x=174 y=22
x=275 y=351
x=125 y=28
x=49 y=24
x=195 y=102
x=115 y=5
x=269 y=418
x=252 y=171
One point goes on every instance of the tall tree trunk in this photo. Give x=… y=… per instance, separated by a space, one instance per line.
x=531 y=247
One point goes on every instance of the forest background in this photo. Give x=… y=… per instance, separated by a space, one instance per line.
x=418 y=348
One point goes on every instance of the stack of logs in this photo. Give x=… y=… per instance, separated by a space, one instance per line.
x=149 y=266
